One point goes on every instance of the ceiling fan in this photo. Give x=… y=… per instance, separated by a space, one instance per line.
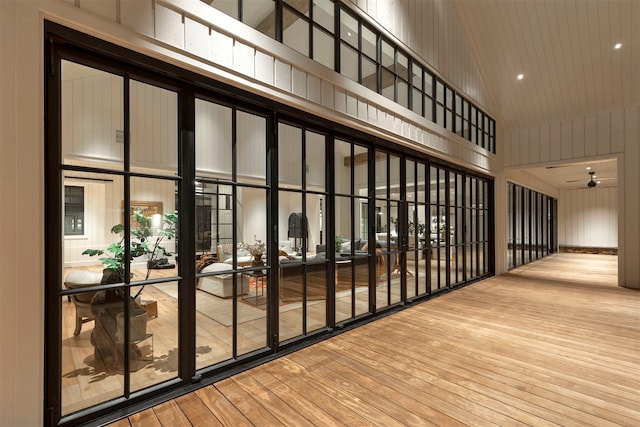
x=591 y=183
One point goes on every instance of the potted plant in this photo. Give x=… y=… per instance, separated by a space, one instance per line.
x=107 y=306
x=142 y=243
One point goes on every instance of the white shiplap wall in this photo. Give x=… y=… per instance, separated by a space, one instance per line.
x=588 y=217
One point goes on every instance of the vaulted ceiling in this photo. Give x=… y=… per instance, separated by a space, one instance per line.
x=565 y=50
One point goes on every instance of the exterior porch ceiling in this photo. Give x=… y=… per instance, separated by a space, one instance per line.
x=565 y=51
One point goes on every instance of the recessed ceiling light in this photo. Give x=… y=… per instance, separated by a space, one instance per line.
x=520 y=76
x=588 y=168
x=617 y=46
x=349 y=33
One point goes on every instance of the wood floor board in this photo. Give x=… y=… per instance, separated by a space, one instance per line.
x=224 y=410
x=306 y=407
x=585 y=408
x=147 y=418
x=554 y=342
x=269 y=400
x=196 y=411
x=170 y=414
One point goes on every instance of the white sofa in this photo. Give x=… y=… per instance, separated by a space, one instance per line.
x=220 y=285
x=225 y=254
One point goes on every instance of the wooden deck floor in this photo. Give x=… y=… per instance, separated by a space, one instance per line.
x=553 y=343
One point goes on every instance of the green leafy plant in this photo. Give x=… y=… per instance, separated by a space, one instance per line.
x=142 y=242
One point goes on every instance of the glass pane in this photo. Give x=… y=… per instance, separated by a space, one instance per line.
x=317 y=223
x=369 y=43
x=213 y=140
x=349 y=28
x=251 y=146
x=344 y=247
x=440 y=114
x=152 y=341
x=323 y=48
x=381 y=174
x=394 y=177
x=388 y=56
x=449 y=94
x=421 y=182
x=361 y=166
x=214 y=312
x=416 y=76
x=428 y=83
x=295 y=33
x=102 y=210
x=290 y=223
x=342 y=164
x=259 y=14
x=251 y=252
x=369 y=74
x=92 y=115
x=154 y=129
x=315 y=161
x=154 y=222
x=403 y=94
x=410 y=175
x=428 y=108
x=348 y=62
x=300 y=6
x=323 y=13
x=416 y=105
x=229 y=7
x=289 y=156
x=388 y=84
x=402 y=67
x=90 y=359
x=439 y=92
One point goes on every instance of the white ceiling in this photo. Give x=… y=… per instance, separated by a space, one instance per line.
x=576 y=175
x=565 y=49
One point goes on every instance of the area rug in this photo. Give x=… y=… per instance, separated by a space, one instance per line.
x=216 y=308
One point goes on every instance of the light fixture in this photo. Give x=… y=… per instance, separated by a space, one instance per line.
x=591 y=182
x=588 y=168
x=617 y=46
x=520 y=76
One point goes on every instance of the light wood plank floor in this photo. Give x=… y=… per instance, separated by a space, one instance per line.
x=553 y=343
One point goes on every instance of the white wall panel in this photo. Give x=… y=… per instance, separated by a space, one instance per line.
x=566 y=140
x=590 y=136
x=299 y=82
x=577 y=143
x=544 y=144
x=630 y=230
x=223 y=52
x=534 y=145
x=244 y=59
x=197 y=38
x=104 y=8
x=314 y=88
x=604 y=133
x=554 y=141
x=617 y=130
x=169 y=26
x=265 y=68
x=138 y=15
x=589 y=217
